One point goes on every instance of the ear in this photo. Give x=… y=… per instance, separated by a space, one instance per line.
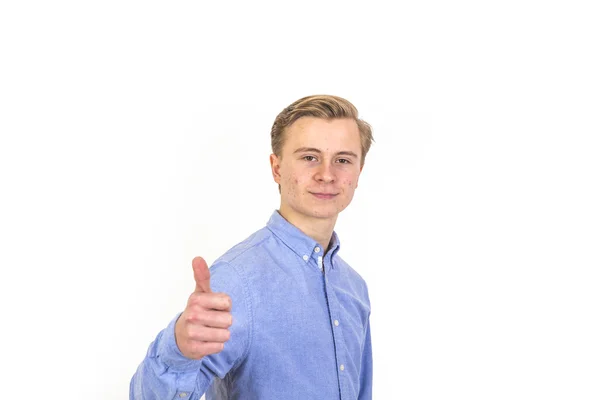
x=275 y=166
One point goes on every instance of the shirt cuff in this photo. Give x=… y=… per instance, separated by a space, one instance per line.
x=170 y=354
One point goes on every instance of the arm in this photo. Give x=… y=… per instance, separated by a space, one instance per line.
x=165 y=373
x=196 y=346
x=366 y=368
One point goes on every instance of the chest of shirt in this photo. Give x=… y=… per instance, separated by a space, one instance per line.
x=299 y=307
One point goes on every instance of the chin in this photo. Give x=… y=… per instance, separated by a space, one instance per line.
x=326 y=213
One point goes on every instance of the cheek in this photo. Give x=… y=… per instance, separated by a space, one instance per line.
x=292 y=182
x=349 y=183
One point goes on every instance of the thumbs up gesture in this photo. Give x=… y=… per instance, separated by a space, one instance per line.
x=202 y=328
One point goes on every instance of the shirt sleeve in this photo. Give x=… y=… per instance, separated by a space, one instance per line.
x=167 y=374
x=366 y=368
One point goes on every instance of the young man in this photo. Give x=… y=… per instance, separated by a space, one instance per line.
x=280 y=315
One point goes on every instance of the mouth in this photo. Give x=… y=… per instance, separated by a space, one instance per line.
x=324 y=196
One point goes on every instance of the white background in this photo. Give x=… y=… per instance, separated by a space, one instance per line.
x=135 y=136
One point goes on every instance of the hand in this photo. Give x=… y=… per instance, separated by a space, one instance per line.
x=202 y=328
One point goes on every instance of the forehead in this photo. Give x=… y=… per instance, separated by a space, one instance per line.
x=323 y=133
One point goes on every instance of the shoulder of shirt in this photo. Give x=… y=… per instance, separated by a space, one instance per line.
x=237 y=254
x=341 y=263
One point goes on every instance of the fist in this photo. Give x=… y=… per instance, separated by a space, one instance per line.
x=202 y=328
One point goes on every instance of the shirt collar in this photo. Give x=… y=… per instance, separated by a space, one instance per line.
x=299 y=242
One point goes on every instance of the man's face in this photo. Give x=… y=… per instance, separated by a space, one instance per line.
x=319 y=166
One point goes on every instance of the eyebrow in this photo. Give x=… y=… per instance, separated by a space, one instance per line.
x=315 y=150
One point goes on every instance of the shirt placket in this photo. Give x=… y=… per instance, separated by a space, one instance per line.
x=336 y=327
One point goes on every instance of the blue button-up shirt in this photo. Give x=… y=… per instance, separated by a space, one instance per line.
x=300 y=328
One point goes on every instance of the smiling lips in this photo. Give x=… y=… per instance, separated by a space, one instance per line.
x=324 y=196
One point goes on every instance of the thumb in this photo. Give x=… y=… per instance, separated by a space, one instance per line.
x=201 y=275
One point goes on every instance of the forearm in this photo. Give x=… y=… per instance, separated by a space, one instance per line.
x=165 y=374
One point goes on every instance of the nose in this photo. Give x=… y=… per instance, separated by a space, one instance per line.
x=325 y=173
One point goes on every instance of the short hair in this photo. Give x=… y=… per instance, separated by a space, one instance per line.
x=319 y=106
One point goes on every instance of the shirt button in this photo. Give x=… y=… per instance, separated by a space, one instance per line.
x=342 y=367
x=182 y=394
x=305 y=257
x=317 y=249
x=336 y=322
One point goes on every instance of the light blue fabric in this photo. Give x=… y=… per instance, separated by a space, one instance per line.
x=294 y=327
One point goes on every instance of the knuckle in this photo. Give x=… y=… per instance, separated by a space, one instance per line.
x=196 y=350
x=225 y=301
x=190 y=317
x=192 y=298
x=189 y=333
x=213 y=349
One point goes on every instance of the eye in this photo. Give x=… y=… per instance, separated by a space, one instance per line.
x=309 y=158
x=344 y=161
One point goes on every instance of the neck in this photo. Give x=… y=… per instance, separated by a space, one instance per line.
x=320 y=229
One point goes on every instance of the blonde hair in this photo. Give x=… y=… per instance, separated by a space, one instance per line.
x=319 y=106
